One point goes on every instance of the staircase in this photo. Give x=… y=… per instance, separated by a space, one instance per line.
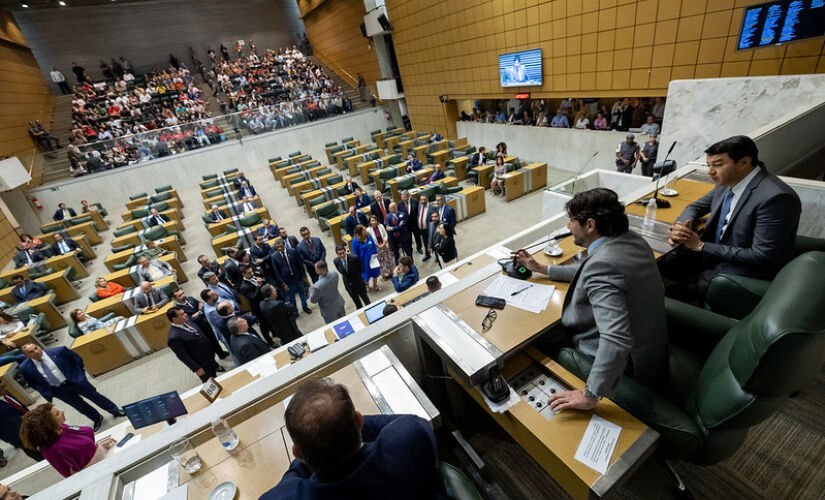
x=351 y=93
x=55 y=163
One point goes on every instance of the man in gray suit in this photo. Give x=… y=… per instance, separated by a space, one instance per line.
x=325 y=293
x=614 y=309
x=148 y=299
x=153 y=270
x=751 y=229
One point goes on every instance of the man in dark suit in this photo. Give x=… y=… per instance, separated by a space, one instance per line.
x=399 y=235
x=379 y=207
x=751 y=229
x=288 y=270
x=224 y=291
x=25 y=289
x=259 y=251
x=350 y=185
x=195 y=311
x=226 y=311
x=410 y=207
x=215 y=214
x=478 y=159
x=156 y=218
x=250 y=288
x=245 y=345
x=446 y=213
x=436 y=176
x=340 y=453
x=148 y=299
x=191 y=345
x=62 y=246
x=287 y=239
x=311 y=250
x=11 y=416
x=63 y=213
x=412 y=165
x=27 y=257
x=432 y=230
x=269 y=230
x=238 y=180
x=349 y=267
x=354 y=218
x=279 y=315
x=231 y=267
x=246 y=190
x=248 y=205
x=422 y=221
x=58 y=373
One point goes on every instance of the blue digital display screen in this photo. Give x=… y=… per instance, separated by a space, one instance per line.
x=779 y=22
x=520 y=69
x=155 y=409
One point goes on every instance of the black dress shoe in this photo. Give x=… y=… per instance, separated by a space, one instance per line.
x=223 y=355
x=119 y=413
x=421 y=252
x=97 y=424
x=425 y=259
x=220 y=369
x=308 y=310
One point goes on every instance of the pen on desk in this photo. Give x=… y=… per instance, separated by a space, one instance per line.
x=519 y=291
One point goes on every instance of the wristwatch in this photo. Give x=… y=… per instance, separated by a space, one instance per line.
x=590 y=395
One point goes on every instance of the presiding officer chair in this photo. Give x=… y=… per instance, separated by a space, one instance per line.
x=728 y=375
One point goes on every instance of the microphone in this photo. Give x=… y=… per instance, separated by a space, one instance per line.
x=660 y=203
x=573 y=187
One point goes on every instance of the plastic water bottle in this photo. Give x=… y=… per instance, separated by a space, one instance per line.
x=650 y=214
x=225 y=434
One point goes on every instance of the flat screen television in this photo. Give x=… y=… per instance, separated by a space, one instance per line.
x=780 y=22
x=163 y=407
x=520 y=69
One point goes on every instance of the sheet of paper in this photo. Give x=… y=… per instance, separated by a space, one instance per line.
x=261 y=365
x=316 y=340
x=447 y=279
x=131 y=442
x=533 y=297
x=356 y=323
x=598 y=443
x=179 y=493
x=498 y=253
x=154 y=485
x=374 y=362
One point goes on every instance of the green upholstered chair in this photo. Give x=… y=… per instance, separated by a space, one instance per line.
x=230 y=171
x=206 y=219
x=305 y=191
x=335 y=179
x=735 y=296
x=5 y=284
x=220 y=202
x=230 y=228
x=161 y=197
x=131 y=261
x=388 y=129
x=158 y=232
x=122 y=248
x=323 y=171
x=71 y=273
x=160 y=207
x=330 y=144
x=93 y=297
x=296 y=153
x=406 y=183
x=346 y=140
x=81 y=220
x=100 y=209
x=250 y=220
x=293 y=170
x=74 y=332
x=281 y=163
x=457 y=484
x=383 y=176
x=44 y=327
x=213 y=193
x=726 y=375
x=300 y=158
x=37 y=272
x=429 y=192
x=209 y=177
x=123 y=232
x=273 y=160
x=52 y=227
x=137 y=196
x=209 y=184
x=374 y=133
x=318 y=200
x=324 y=212
x=394 y=159
x=163 y=188
x=138 y=213
x=444 y=189
x=313 y=164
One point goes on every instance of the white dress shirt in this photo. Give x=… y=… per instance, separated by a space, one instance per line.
x=46 y=363
x=737 y=190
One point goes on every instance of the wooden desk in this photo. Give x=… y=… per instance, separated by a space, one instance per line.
x=364 y=169
x=81 y=241
x=97 y=220
x=441 y=157
x=525 y=180
x=459 y=165
x=170 y=243
x=21 y=338
x=468 y=202
x=57 y=281
x=294 y=179
x=87 y=230
x=58 y=262
x=340 y=156
x=45 y=305
x=173 y=203
x=121 y=304
x=418 y=175
x=170 y=213
x=101 y=351
x=406 y=147
x=126 y=277
x=12 y=386
x=132 y=204
x=329 y=193
x=689 y=191
x=391 y=142
x=217 y=228
x=230 y=240
x=136 y=238
x=229 y=199
x=311 y=185
x=352 y=161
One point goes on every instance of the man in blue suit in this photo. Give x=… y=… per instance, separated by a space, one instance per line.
x=398 y=232
x=63 y=213
x=288 y=270
x=28 y=256
x=413 y=165
x=25 y=290
x=405 y=274
x=340 y=453
x=354 y=218
x=436 y=176
x=269 y=230
x=224 y=291
x=311 y=250
x=246 y=190
x=58 y=373
x=446 y=213
x=259 y=251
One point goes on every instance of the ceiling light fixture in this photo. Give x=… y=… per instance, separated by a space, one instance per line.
x=24 y=5
x=61 y=3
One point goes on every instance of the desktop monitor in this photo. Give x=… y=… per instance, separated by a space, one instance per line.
x=375 y=312
x=780 y=22
x=160 y=408
x=520 y=69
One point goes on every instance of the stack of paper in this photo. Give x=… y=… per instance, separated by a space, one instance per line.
x=316 y=340
x=529 y=296
x=263 y=366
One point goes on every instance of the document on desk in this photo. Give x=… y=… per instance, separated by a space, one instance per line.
x=179 y=493
x=263 y=366
x=598 y=443
x=447 y=279
x=155 y=484
x=316 y=340
x=529 y=296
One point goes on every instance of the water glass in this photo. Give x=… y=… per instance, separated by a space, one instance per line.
x=183 y=451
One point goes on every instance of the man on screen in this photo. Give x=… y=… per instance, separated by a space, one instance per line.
x=517 y=72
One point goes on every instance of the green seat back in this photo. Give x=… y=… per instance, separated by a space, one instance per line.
x=52 y=227
x=281 y=163
x=213 y=193
x=326 y=210
x=206 y=219
x=34 y=274
x=329 y=144
x=230 y=171
x=249 y=220
x=131 y=261
x=139 y=213
x=161 y=197
x=163 y=188
x=122 y=248
x=296 y=153
x=375 y=132
x=406 y=183
x=341 y=191
x=509 y=167
x=273 y=160
x=231 y=228
x=209 y=184
x=336 y=149
x=100 y=209
x=155 y=233
x=123 y=232
x=93 y=297
x=457 y=485
x=429 y=192
x=313 y=164
x=335 y=179
x=324 y=171
x=209 y=177
x=394 y=159
x=137 y=196
x=160 y=207
x=346 y=139
x=80 y=220
x=318 y=200
x=293 y=170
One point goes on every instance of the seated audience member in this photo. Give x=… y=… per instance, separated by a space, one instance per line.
x=246 y=191
x=600 y=123
x=105 y=289
x=435 y=136
x=650 y=127
x=582 y=121
x=25 y=289
x=269 y=230
x=480 y=158
x=62 y=246
x=615 y=309
x=248 y=205
x=751 y=228
x=30 y=241
x=28 y=256
x=88 y=324
x=361 y=199
x=444 y=243
x=156 y=218
x=9 y=325
x=405 y=274
x=215 y=214
x=648 y=154
x=350 y=185
x=433 y=284
x=560 y=120
x=340 y=453
x=501 y=149
x=148 y=299
x=412 y=165
x=437 y=174
x=63 y=212
x=67 y=448
x=246 y=346
x=153 y=270
x=497 y=183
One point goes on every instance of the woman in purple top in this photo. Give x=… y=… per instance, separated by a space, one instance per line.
x=68 y=448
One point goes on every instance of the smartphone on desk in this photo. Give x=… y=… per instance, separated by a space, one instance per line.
x=487 y=301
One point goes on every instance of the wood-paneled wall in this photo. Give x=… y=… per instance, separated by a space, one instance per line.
x=24 y=96
x=333 y=27
x=147 y=32
x=600 y=48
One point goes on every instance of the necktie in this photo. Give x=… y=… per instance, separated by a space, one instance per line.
x=155 y=274
x=51 y=378
x=63 y=248
x=14 y=404
x=344 y=262
x=159 y=220
x=723 y=215
x=151 y=300
x=383 y=211
x=287 y=262
x=310 y=246
x=422 y=214
x=29 y=258
x=23 y=290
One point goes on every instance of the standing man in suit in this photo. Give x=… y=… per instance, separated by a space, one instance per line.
x=311 y=250
x=614 y=309
x=250 y=288
x=259 y=251
x=246 y=191
x=231 y=267
x=288 y=271
x=224 y=291
x=325 y=293
x=191 y=345
x=350 y=267
x=446 y=213
x=148 y=299
x=269 y=230
x=63 y=213
x=25 y=289
x=751 y=229
x=153 y=270
x=354 y=218
x=432 y=231
x=422 y=222
x=58 y=372
x=279 y=315
x=380 y=206
x=436 y=176
x=156 y=218
x=215 y=214
x=196 y=313
x=399 y=234
x=245 y=345
x=350 y=185
x=11 y=416
x=287 y=239
x=62 y=246
x=27 y=256
x=410 y=207
x=210 y=266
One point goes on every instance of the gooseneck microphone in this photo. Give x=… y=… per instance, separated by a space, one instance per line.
x=573 y=187
x=660 y=202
